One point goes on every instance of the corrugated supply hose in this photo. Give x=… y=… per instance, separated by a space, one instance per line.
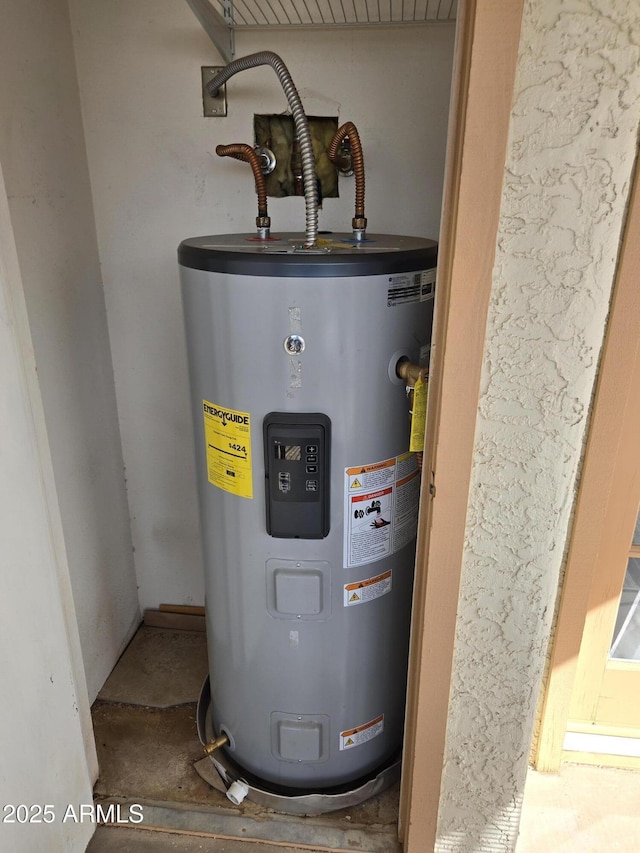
x=267 y=57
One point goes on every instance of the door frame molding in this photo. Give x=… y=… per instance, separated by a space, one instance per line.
x=487 y=42
x=613 y=429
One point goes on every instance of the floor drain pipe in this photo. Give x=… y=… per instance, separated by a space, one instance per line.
x=237 y=791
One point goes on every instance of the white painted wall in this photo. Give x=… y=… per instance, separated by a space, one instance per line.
x=46 y=742
x=156 y=180
x=573 y=143
x=43 y=155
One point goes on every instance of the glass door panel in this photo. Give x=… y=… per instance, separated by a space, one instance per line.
x=618 y=702
x=625 y=644
x=626 y=634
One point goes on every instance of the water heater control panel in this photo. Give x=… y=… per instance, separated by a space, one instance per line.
x=297 y=466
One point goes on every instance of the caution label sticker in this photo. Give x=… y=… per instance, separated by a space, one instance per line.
x=361 y=734
x=227 y=435
x=367 y=590
x=381 y=508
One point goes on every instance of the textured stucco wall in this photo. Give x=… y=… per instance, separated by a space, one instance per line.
x=570 y=157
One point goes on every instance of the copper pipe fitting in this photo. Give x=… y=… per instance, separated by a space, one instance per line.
x=244 y=152
x=349 y=130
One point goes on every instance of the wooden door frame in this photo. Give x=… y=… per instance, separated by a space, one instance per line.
x=487 y=41
x=615 y=414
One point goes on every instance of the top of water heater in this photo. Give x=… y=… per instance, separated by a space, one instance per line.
x=284 y=255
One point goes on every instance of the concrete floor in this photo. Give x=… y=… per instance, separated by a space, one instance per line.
x=148 y=750
x=582 y=809
x=144 y=721
x=120 y=840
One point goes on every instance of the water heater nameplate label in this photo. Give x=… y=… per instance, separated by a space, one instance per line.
x=381 y=508
x=411 y=287
x=227 y=435
x=367 y=590
x=362 y=734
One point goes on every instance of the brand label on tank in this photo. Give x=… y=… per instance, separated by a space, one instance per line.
x=361 y=734
x=381 y=508
x=367 y=590
x=227 y=435
x=411 y=287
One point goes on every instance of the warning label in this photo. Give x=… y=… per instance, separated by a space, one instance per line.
x=381 y=508
x=227 y=435
x=367 y=590
x=355 y=737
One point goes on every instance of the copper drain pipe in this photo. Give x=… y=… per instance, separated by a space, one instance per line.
x=244 y=152
x=349 y=131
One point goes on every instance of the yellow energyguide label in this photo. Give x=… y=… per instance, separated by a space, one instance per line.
x=227 y=435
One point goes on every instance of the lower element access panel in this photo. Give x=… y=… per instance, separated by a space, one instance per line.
x=300 y=737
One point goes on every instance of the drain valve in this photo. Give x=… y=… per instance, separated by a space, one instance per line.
x=216 y=743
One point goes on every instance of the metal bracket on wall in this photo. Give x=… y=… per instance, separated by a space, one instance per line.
x=213 y=107
x=218 y=27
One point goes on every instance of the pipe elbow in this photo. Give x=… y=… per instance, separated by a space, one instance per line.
x=245 y=153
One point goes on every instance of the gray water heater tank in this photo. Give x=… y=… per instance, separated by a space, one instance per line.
x=308 y=494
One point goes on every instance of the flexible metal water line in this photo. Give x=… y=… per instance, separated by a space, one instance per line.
x=245 y=153
x=349 y=131
x=267 y=57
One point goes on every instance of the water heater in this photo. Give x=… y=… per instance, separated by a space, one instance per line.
x=308 y=495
